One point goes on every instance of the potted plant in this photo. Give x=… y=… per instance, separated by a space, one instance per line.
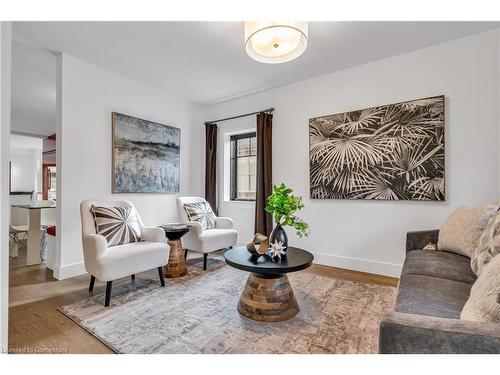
x=283 y=205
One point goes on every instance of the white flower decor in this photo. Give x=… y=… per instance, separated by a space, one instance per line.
x=277 y=250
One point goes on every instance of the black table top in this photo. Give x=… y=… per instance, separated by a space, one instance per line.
x=33 y=207
x=174 y=227
x=175 y=232
x=295 y=260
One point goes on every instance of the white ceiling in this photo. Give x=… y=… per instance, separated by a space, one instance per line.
x=205 y=62
x=33 y=90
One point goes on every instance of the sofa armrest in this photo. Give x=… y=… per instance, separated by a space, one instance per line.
x=412 y=334
x=223 y=223
x=94 y=245
x=153 y=234
x=418 y=240
x=196 y=228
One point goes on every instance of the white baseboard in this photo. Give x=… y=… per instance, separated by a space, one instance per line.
x=68 y=270
x=357 y=264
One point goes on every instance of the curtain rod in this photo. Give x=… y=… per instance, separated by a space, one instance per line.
x=235 y=117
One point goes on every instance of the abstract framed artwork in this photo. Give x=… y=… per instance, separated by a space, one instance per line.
x=145 y=156
x=390 y=152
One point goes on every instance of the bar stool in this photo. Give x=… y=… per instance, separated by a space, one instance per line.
x=16 y=232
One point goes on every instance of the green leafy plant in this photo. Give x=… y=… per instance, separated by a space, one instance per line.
x=282 y=204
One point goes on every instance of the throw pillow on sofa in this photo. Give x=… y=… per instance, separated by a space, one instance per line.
x=483 y=303
x=118 y=225
x=202 y=213
x=488 y=246
x=461 y=230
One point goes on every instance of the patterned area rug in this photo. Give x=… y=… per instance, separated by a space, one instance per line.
x=197 y=314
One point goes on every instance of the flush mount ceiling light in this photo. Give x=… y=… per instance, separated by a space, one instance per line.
x=275 y=42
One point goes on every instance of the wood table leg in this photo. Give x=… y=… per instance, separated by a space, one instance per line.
x=33 y=245
x=268 y=298
x=176 y=266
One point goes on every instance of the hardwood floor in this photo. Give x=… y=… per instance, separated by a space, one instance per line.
x=35 y=325
x=340 y=273
x=34 y=322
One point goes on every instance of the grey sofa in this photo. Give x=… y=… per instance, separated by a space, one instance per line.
x=432 y=290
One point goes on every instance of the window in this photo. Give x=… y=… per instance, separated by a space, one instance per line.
x=243 y=166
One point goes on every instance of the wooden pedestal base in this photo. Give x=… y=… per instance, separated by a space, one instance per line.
x=176 y=266
x=268 y=298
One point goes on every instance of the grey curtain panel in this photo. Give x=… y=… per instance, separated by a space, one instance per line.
x=211 y=166
x=263 y=220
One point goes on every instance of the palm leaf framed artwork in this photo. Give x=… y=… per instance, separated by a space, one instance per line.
x=390 y=152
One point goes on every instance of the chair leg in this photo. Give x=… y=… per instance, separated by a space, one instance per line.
x=185 y=254
x=109 y=285
x=92 y=282
x=132 y=277
x=160 y=273
x=205 y=257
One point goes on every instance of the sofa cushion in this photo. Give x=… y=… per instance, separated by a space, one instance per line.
x=461 y=231
x=118 y=225
x=123 y=260
x=488 y=246
x=484 y=302
x=217 y=239
x=440 y=264
x=202 y=213
x=424 y=295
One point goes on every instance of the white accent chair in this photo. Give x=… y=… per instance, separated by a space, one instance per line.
x=110 y=263
x=208 y=240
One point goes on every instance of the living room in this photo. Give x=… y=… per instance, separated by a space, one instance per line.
x=250 y=187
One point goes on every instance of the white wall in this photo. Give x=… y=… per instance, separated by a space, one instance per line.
x=26 y=159
x=86 y=97
x=369 y=235
x=26 y=173
x=5 y=74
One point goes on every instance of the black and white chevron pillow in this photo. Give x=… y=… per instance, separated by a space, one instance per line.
x=117 y=224
x=202 y=213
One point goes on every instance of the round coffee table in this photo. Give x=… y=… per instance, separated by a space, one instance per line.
x=268 y=295
x=176 y=266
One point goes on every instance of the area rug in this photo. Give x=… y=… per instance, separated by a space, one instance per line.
x=197 y=314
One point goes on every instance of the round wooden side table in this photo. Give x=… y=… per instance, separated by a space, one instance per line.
x=176 y=266
x=268 y=295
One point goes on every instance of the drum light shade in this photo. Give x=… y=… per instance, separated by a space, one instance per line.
x=275 y=42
